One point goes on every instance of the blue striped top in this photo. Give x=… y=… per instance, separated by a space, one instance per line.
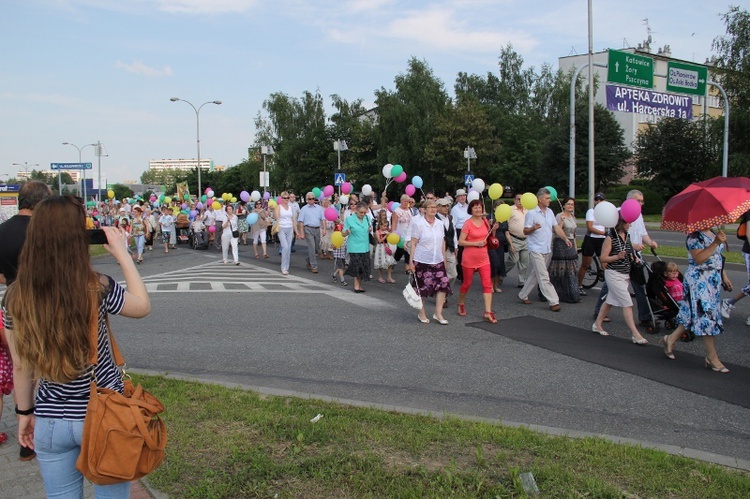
x=68 y=400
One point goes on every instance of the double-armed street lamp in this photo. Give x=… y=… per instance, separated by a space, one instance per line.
x=26 y=167
x=197 y=132
x=79 y=160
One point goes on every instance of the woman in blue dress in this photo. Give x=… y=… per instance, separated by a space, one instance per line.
x=700 y=310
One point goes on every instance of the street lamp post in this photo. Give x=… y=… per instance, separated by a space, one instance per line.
x=197 y=132
x=79 y=160
x=26 y=167
x=265 y=151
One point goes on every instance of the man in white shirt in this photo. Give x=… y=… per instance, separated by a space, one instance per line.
x=460 y=214
x=638 y=239
x=538 y=227
x=220 y=216
x=519 y=252
x=592 y=241
x=451 y=237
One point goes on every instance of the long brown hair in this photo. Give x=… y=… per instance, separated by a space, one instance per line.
x=51 y=300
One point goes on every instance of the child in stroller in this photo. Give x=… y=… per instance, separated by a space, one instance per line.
x=664 y=290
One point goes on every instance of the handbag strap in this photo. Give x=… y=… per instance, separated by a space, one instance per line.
x=94 y=332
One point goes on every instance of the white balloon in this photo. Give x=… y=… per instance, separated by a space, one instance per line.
x=344 y=199
x=255 y=195
x=366 y=190
x=606 y=214
x=472 y=196
x=477 y=185
x=387 y=170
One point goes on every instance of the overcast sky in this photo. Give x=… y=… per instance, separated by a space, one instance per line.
x=85 y=70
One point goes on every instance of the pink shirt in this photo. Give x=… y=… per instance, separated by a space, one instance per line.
x=674 y=286
x=475 y=256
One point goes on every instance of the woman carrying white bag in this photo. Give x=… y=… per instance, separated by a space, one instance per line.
x=428 y=261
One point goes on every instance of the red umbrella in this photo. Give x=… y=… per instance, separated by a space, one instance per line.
x=702 y=205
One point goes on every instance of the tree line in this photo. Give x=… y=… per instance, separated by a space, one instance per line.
x=517 y=120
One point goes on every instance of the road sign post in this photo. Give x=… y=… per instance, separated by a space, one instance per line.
x=686 y=78
x=630 y=69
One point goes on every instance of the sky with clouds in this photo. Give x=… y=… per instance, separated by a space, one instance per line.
x=79 y=71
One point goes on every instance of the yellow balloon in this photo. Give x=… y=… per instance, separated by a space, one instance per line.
x=110 y=194
x=271 y=203
x=233 y=200
x=167 y=199
x=495 y=191
x=502 y=213
x=529 y=201
x=175 y=210
x=216 y=205
x=393 y=238
x=337 y=239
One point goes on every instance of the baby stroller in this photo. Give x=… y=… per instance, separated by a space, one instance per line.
x=182 y=226
x=662 y=305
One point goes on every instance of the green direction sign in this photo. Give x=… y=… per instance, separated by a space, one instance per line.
x=686 y=78
x=630 y=69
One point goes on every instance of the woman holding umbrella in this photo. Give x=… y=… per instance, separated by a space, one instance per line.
x=700 y=310
x=695 y=210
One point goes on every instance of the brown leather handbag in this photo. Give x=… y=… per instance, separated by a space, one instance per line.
x=123 y=437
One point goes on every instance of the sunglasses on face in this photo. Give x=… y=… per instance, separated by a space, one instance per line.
x=284 y=197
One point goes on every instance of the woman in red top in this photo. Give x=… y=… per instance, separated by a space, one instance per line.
x=475 y=257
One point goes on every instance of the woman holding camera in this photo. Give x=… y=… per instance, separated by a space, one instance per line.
x=48 y=312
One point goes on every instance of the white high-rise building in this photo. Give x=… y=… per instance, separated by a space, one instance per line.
x=180 y=164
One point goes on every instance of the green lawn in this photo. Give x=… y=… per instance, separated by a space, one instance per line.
x=231 y=443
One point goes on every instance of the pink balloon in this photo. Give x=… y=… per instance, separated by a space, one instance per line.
x=278 y=199
x=212 y=229
x=327 y=190
x=346 y=187
x=331 y=214
x=410 y=190
x=401 y=177
x=630 y=210
x=392 y=206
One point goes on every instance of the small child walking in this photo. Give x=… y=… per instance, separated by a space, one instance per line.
x=339 y=264
x=383 y=258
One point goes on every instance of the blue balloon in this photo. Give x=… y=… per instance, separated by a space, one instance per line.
x=417 y=181
x=252 y=218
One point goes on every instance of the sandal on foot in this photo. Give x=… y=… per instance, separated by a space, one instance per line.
x=381 y=280
x=461 y=309
x=490 y=317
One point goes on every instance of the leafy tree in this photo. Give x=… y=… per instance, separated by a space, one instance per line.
x=675 y=152
x=408 y=118
x=296 y=130
x=733 y=65
x=168 y=177
x=464 y=124
x=122 y=191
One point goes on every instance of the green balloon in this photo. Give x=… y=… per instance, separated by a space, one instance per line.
x=203 y=198
x=552 y=193
x=397 y=170
x=186 y=196
x=316 y=192
x=401 y=241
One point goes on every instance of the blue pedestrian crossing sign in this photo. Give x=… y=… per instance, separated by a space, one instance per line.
x=468 y=179
x=339 y=178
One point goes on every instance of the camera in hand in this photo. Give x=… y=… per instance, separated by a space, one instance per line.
x=97 y=236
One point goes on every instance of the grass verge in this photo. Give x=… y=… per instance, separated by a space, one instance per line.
x=236 y=443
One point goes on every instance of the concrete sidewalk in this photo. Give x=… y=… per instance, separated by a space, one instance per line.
x=21 y=479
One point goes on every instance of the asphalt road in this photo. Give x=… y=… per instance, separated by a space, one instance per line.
x=247 y=324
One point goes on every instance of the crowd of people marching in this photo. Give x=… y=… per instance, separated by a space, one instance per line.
x=440 y=240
